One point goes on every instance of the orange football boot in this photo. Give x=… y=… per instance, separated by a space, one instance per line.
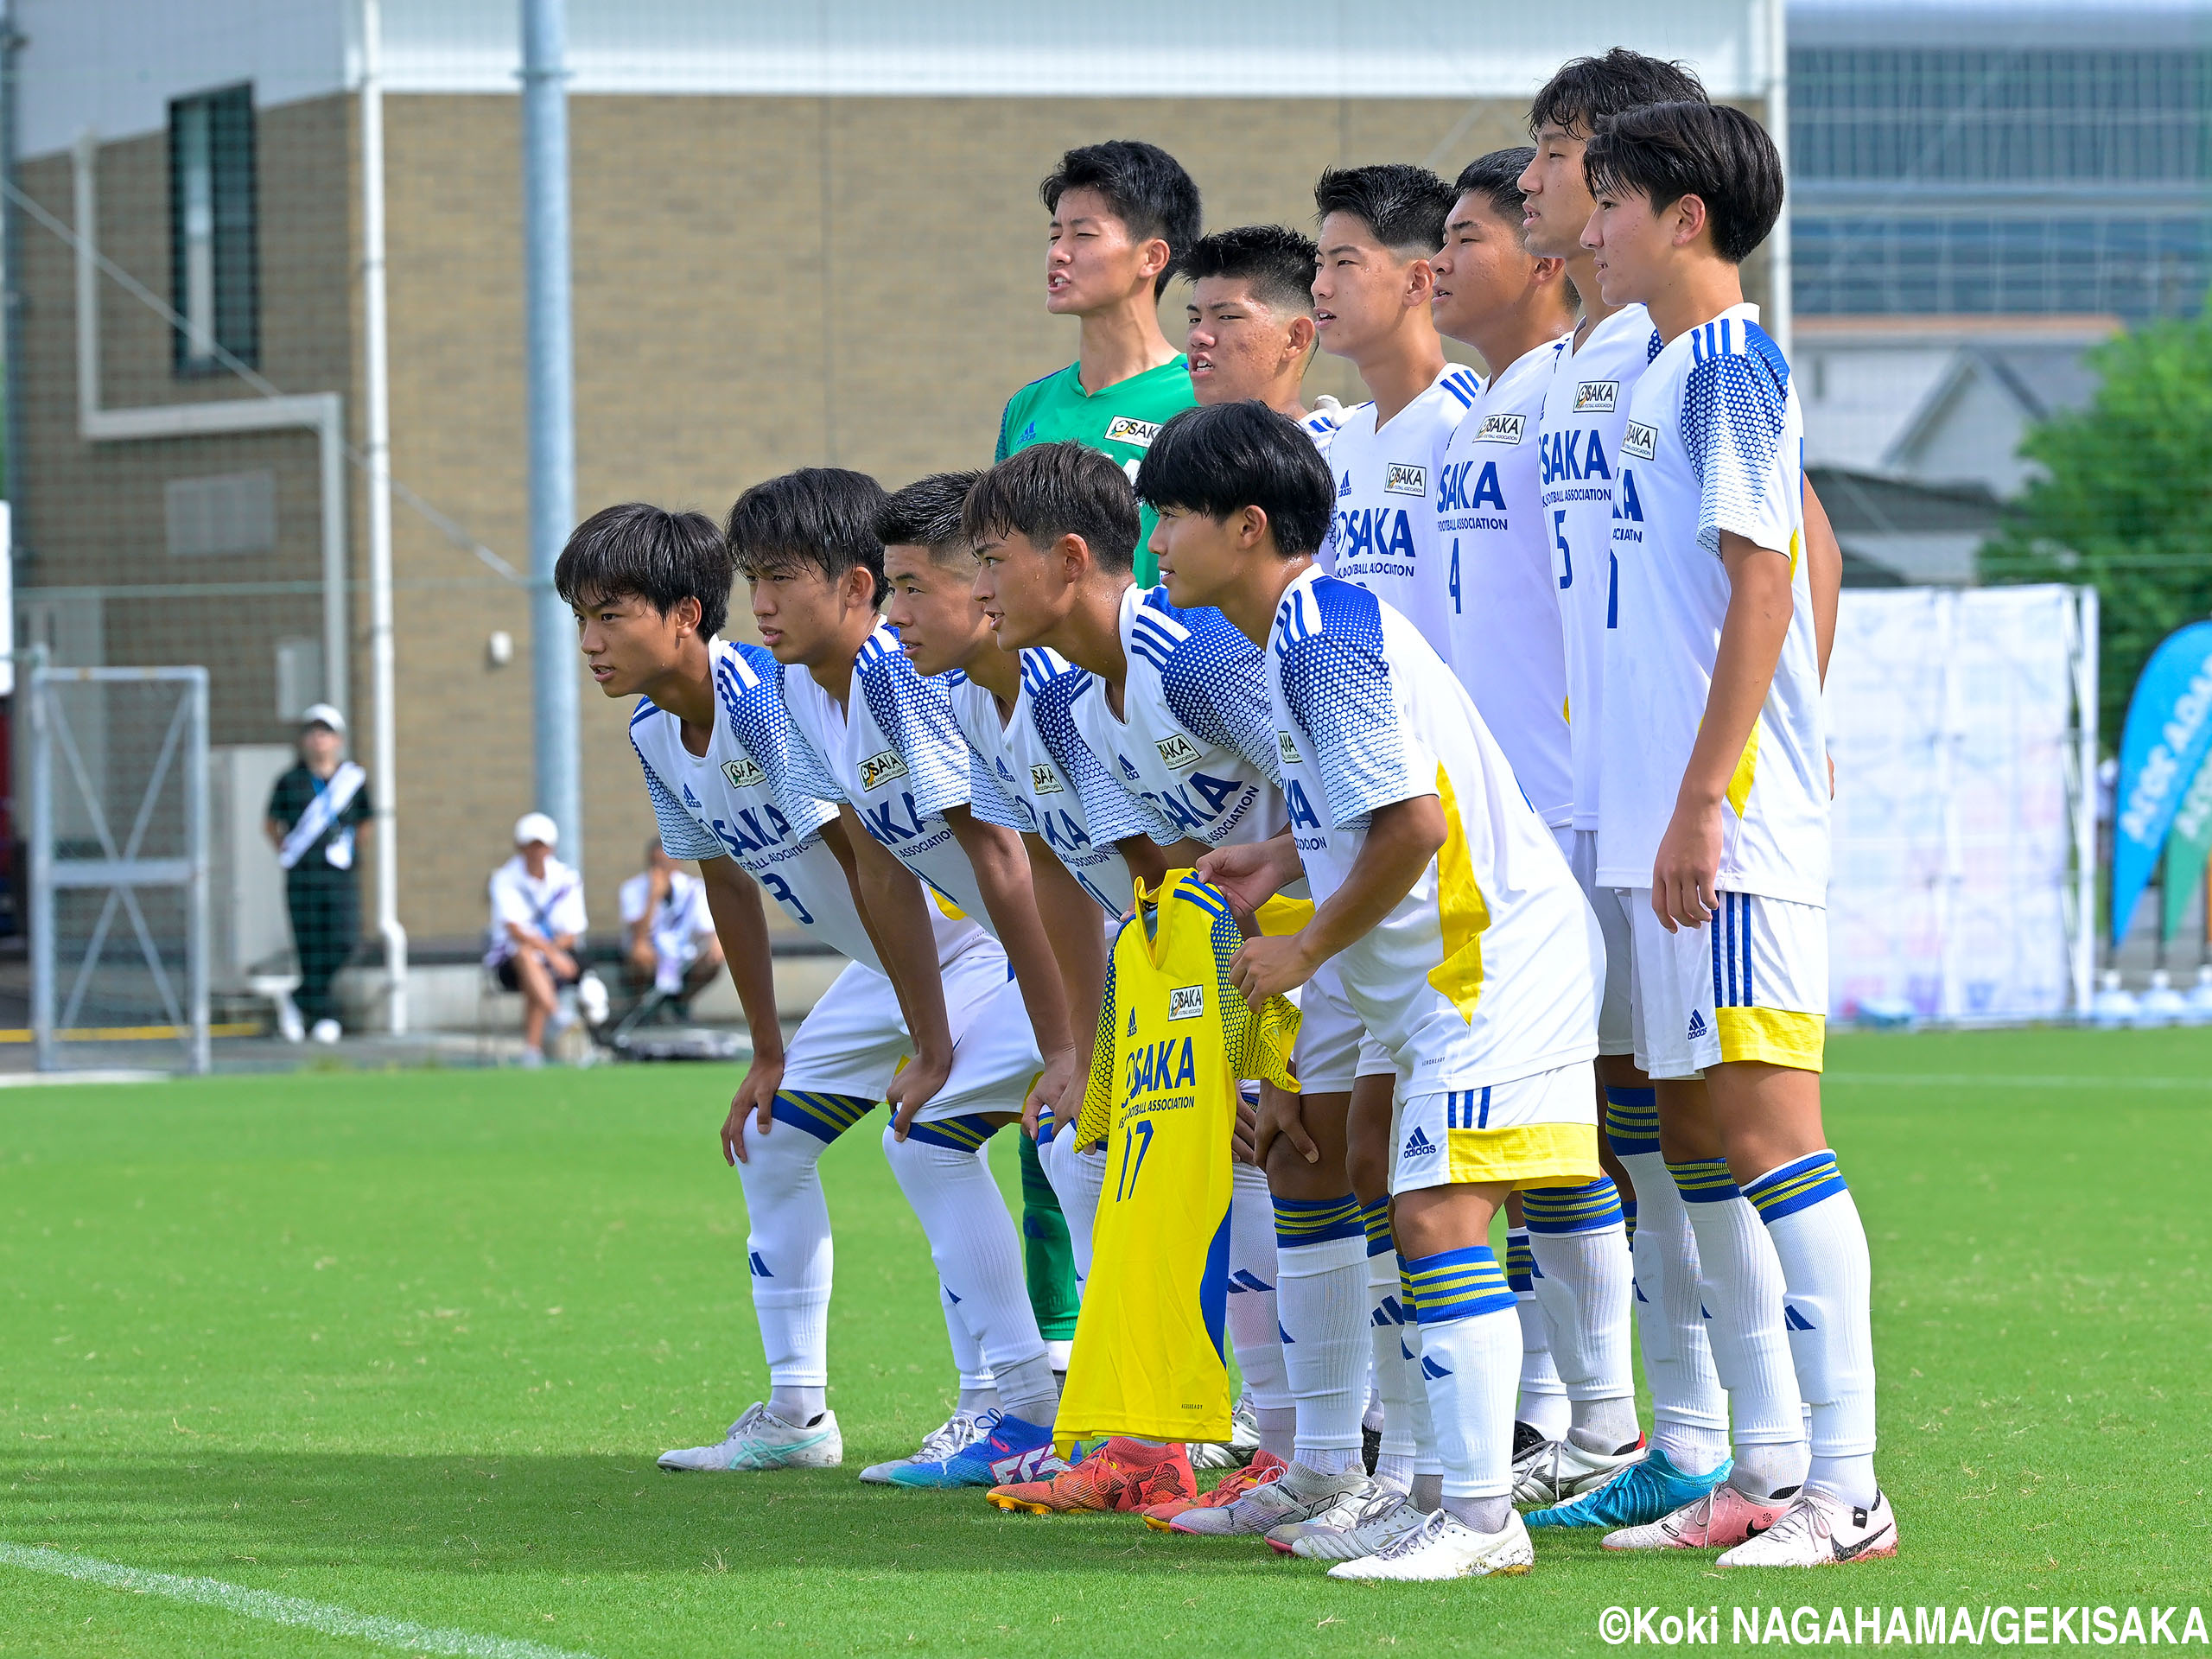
x=1121 y=1476
x=1264 y=1467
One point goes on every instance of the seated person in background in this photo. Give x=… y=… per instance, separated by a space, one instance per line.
x=538 y=916
x=669 y=945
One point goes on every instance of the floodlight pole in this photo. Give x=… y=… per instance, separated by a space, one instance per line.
x=552 y=411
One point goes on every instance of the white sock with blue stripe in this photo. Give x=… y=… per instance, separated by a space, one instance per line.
x=789 y=1255
x=1689 y=1412
x=1255 y=1326
x=1540 y=1400
x=1583 y=1281
x=1386 y=1319
x=1741 y=1288
x=1471 y=1349
x=1321 y=1299
x=1814 y=1222
x=978 y=1258
x=979 y=1390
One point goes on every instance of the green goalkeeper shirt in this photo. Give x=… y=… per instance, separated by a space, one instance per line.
x=1119 y=422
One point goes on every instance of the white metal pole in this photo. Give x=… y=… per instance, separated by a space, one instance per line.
x=2086 y=874
x=195 y=889
x=552 y=411
x=33 y=700
x=1780 y=317
x=376 y=414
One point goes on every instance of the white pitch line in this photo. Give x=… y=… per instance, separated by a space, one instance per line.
x=1982 y=1080
x=279 y=1610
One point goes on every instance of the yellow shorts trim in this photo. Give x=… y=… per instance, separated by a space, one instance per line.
x=1778 y=1036
x=1535 y=1154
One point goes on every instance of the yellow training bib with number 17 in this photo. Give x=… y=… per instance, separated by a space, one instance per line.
x=1174 y=1036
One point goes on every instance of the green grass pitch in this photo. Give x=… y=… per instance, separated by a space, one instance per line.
x=406 y=1344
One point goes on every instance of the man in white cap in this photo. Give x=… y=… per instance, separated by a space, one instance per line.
x=316 y=812
x=538 y=916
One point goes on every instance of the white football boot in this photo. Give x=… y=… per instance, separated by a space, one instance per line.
x=1357 y=1524
x=1817 y=1531
x=1444 y=1547
x=760 y=1441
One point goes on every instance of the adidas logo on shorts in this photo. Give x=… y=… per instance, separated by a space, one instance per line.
x=1418 y=1145
x=1697 y=1025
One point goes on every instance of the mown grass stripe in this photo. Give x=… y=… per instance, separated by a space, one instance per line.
x=278 y=1610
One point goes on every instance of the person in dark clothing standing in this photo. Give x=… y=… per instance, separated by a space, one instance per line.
x=316 y=813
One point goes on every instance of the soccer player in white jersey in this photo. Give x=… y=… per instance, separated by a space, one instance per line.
x=1567 y=1254
x=1586 y=414
x=1176 y=714
x=1250 y=317
x=651 y=590
x=1451 y=920
x=1716 y=793
x=1373 y=279
x=1087 y=840
x=871 y=736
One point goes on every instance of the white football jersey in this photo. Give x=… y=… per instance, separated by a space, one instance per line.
x=1080 y=812
x=1585 y=409
x=1504 y=623
x=1321 y=422
x=896 y=754
x=1487 y=970
x=736 y=800
x=1383 y=536
x=1715 y=442
x=1194 y=739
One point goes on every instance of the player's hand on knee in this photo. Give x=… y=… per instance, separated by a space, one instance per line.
x=755 y=1098
x=1281 y=1115
x=914 y=1087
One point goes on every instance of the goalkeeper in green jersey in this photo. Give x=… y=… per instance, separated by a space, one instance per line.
x=1123 y=214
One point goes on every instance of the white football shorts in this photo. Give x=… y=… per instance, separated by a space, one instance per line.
x=1751 y=984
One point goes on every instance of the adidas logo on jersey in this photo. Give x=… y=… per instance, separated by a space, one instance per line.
x=879 y=767
x=1596 y=397
x=691 y=800
x=1028 y=433
x=1344 y=488
x=1418 y=1145
x=744 y=774
x=1697 y=1025
x=1043 y=780
x=1501 y=428
x=1178 y=752
x=1640 y=441
x=1404 y=478
x=1125 y=429
x=1128 y=770
x=1133 y=1022
x=1186 y=1002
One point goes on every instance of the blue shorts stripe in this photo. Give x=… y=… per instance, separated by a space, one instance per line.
x=959 y=1134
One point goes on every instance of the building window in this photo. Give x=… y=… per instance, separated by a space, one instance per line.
x=214 y=276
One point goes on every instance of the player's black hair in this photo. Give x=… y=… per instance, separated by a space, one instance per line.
x=927 y=513
x=1712 y=151
x=637 y=549
x=1052 y=490
x=1146 y=187
x=1275 y=260
x=1404 y=206
x=1587 y=91
x=823 y=516
x=1497 y=178
x=1221 y=460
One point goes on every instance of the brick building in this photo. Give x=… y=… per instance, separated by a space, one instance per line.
x=805 y=234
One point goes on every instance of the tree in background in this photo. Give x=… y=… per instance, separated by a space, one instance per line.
x=2125 y=501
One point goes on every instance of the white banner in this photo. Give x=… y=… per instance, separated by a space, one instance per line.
x=1956 y=739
